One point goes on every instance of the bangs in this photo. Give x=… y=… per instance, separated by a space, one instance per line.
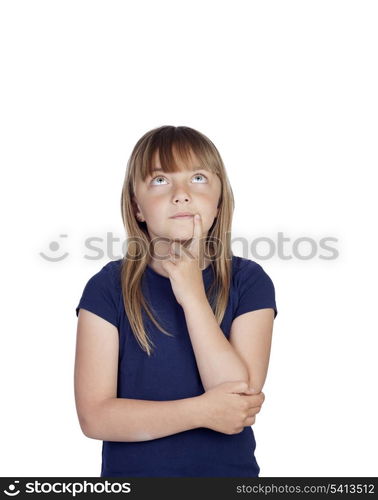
x=178 y=148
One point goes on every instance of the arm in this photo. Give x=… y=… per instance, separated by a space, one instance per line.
x=251 y=336
x=119 y=419
x=104 y=416
x=217 y=360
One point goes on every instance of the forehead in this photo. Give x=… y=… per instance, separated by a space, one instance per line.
x=155 y=168
x=177 y=163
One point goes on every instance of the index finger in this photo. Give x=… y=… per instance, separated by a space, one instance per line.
x=254 y=400
x=197 y=235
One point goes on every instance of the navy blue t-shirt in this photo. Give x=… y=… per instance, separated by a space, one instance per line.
x=171 y=373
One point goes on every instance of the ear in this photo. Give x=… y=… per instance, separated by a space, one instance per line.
x=137 y=210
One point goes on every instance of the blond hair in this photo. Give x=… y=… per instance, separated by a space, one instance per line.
x=166 y=141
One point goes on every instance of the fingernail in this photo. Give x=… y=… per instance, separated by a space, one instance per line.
x=197 y=216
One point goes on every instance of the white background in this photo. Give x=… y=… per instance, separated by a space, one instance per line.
x=287 y=91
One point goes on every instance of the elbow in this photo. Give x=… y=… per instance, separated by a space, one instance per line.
x=256 y=385
x=93 y=421
x=245 y=377
x=237 y=379
x=90 y=433
x=87 y=428
x=90 y=419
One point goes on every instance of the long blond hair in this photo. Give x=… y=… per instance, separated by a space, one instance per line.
x=217 y=246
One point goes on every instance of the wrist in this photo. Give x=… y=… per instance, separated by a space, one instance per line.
x=199 y=410
x=194 y=301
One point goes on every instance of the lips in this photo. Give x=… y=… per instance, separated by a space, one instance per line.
x=182 y=215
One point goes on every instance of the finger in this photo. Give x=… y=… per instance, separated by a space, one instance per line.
x=168 y=265
x=253 y=411
x=195 y=246
x=175 y=250
x=254 y=393
x=253 y=401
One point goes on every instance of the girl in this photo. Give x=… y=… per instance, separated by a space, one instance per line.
x=173 y=340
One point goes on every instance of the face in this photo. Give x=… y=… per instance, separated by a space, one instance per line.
x=162 y=195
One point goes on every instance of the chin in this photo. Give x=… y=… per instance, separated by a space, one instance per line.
x=178 y=234
x=181 y=238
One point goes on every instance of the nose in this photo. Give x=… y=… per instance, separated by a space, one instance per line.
x=178 y=199
x=180 y=196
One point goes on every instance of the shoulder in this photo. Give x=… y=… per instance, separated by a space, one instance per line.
x=243 y=269
x=112 y=269
x=102 y=292
x=108 y=277
x=253 y=286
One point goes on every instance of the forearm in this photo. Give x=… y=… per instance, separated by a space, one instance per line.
x=217 y=360
x=121 y=419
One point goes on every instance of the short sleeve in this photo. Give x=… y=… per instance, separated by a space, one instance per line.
x=255 y=290
x=100 y=296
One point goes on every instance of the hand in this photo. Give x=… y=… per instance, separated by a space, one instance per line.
x=184 y=269
x=230 y=406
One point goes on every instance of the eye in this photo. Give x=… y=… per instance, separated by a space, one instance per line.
x=195 y=175
x=158 y=177
x=200 y=175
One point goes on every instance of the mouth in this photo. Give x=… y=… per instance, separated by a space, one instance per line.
x=183 y=217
